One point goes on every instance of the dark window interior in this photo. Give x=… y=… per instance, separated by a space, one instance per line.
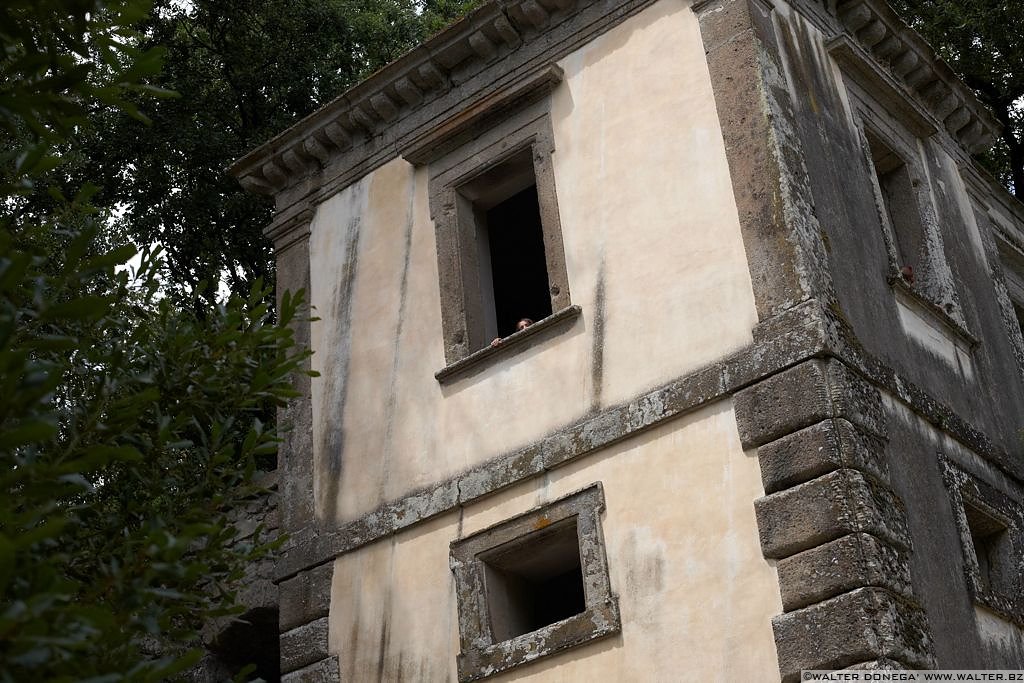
x=900 y=199
x=534 y=581
x=253 y=639
x=1018 y=310
x=501 y=209
x=518 y=266
x=991 y=543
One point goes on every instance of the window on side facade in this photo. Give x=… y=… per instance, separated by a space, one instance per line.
x=1012 y=261
x=991 y=528
x=919 y=273
x=900 y=210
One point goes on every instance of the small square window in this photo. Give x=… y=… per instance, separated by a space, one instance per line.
x=534 y=581
x=991 y=529
x=533 y=585
x=990 y=541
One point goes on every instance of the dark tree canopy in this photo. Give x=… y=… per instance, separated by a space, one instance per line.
x=983 y=40
x=130 y=425
x=245 y=70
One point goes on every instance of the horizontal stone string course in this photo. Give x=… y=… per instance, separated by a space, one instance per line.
x=810 y=335
x=312 y=546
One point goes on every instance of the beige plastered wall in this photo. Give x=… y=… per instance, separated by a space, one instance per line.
x=653 y=251
x=695 y=594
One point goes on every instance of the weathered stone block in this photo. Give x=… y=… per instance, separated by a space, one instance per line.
x=304 y=645
x=306 y=597
x=826 y=508
x=850 y=562
x=816 y=450
x=324 y=671
x=803 y=395
x=680 y=396
x=878 y=665
x=865 y=624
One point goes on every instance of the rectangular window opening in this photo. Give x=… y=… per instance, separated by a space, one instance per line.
x=991 y=540
x=510 y=250
x=899 y=198
x=534 y=581
x=519 y=272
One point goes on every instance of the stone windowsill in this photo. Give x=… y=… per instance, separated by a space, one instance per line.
x=955 y=329
x=510 y=345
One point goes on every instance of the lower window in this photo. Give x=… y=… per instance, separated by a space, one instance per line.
x=533 y=585
x=991 y=526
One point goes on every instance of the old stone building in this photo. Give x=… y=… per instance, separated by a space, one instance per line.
x=769 y=414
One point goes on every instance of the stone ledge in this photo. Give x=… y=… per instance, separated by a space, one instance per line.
x=819 y=449
x=859 y=626
x=304 y=645
x=514 y=343
x=839 y=503
x=324 y=671
x=305 y=597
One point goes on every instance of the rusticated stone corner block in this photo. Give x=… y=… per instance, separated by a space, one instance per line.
x=306 y=597
x=813 y=391
x=324 y=671
x=819 y=449
x=853 y=561
x=882 y=664
x=839 y=503
x=722 y=20
x=304 y=645
x=856 y=627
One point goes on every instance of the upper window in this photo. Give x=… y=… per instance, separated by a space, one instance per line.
x=499 y=240
x=900 y=211
x=512 y=280
x=918 y=268
x=1012 y=261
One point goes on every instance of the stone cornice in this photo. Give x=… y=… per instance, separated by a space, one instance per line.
x=881 y=36
x=424 y=74
x=502 y=45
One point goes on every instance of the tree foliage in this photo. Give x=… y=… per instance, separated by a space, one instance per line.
x=245 y=70
x=983 y=42
x=129 y=424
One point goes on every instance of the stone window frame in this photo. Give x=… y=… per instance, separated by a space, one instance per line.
x=490 y=143
x=965 y=489
x=904 y=143
x=1010 y=255
x=481 y=656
